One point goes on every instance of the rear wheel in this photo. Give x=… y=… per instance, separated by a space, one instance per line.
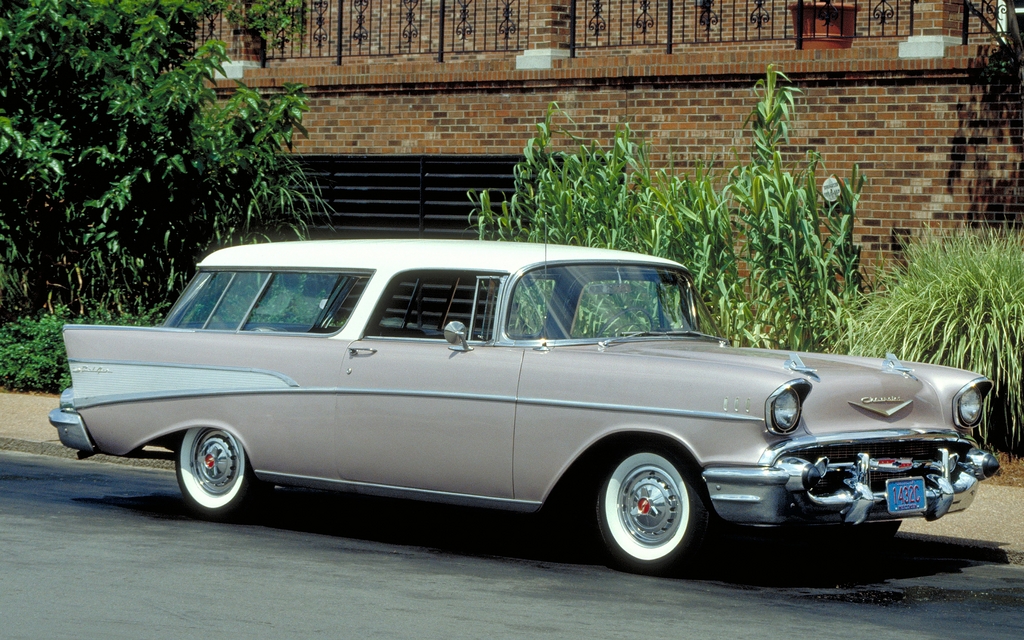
x=214 y=474
x=650 y=516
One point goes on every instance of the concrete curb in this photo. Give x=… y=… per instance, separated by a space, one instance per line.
x=966 y=549
x=60 y=451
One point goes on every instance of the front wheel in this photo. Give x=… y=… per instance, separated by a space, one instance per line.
x=214 y=475
x=649 y=514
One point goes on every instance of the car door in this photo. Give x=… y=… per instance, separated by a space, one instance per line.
x=416 y=413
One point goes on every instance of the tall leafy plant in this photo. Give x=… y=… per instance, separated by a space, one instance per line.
x=775 y=261
x=118 y=164
x=804 y=267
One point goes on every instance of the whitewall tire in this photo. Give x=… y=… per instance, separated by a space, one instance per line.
x=649 y=515
x=214 y=475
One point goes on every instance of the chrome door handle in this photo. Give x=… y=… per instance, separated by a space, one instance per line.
x=355 y=351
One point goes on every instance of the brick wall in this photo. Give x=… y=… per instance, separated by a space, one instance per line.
x=938 y=148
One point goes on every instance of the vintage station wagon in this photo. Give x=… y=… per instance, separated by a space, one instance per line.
x=486 y=374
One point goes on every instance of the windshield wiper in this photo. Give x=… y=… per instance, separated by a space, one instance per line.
x=683 y=333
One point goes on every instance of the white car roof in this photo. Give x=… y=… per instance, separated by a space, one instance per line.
x=400 y=255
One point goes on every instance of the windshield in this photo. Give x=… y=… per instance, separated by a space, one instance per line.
x=604 y=301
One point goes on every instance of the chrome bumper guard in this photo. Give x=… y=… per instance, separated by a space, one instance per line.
x=70 y=427
x=784 y=492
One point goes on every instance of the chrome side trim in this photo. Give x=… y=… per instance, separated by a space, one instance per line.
x=625 y=408
x=192 y=393
x=442 y=395
x=171 y=365
x=389 y=491
x=776 y=451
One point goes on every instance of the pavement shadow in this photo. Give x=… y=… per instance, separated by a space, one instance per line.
x=738 y=556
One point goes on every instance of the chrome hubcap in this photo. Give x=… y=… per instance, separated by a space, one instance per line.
x=649 y=506
x=215 y=461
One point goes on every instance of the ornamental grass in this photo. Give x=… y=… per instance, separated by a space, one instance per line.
x=959 y=301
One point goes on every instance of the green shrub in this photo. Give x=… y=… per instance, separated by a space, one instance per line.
x=958 y=302
x=802 y=266
x=32 y=355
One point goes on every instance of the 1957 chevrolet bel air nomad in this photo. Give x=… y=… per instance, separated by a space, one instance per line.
x=485 y=373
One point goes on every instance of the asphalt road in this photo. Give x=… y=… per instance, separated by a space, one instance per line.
x=93 y=550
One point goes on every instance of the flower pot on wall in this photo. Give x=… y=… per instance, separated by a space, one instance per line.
x=826 y=25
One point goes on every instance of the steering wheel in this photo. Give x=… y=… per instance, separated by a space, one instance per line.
x=624 y=311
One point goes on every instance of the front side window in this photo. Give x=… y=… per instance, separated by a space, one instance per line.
x=295 y=302
x=603 y=301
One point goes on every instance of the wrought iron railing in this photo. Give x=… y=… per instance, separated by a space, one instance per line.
x=342 y=29
x=986 y=18
x=665 y=23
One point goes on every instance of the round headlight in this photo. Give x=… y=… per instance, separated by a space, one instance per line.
x=969 y=407
x=786 y=410
x=969 y=403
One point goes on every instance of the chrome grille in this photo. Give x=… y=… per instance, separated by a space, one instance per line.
x=847 y=452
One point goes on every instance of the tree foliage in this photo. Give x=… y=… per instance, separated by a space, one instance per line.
x=776 y=263
x=118 y=165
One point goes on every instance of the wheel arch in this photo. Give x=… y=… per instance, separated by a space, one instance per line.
x=596 y=456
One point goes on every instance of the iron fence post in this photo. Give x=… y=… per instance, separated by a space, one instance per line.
x=799 y=25
x=668 y=23
x=440 y=34
x=572 y=28
x=967 y=15
x=341 y=12
x=263 y=52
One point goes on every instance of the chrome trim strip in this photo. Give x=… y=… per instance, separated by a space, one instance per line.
x=658 y=411
x=772 y=454
x=735 y=497
x=442 y=395
x=194 y=393
x=204 y=367
x=119 y=327
x=389 y=491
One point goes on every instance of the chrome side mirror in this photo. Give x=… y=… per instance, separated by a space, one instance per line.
x=457 y=335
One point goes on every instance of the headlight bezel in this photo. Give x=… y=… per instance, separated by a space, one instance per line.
x=797 y=389
x=981 y=386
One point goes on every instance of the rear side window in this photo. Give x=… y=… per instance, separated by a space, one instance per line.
x=287 y=301
x=418 y=304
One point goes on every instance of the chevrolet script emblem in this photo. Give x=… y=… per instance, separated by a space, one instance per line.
x=871 y=404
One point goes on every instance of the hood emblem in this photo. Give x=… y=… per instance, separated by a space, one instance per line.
x=872 y=403
x=796 y=365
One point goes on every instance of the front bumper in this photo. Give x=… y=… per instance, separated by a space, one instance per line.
x=841 y=478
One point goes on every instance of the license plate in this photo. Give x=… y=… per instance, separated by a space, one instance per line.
x=905 y=495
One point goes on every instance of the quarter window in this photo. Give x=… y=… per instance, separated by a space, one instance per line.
x=236 y=301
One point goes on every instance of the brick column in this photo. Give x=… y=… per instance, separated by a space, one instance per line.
x=937 y=24
x=549 y=35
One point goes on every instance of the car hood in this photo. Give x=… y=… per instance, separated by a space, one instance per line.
x=848 y=393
